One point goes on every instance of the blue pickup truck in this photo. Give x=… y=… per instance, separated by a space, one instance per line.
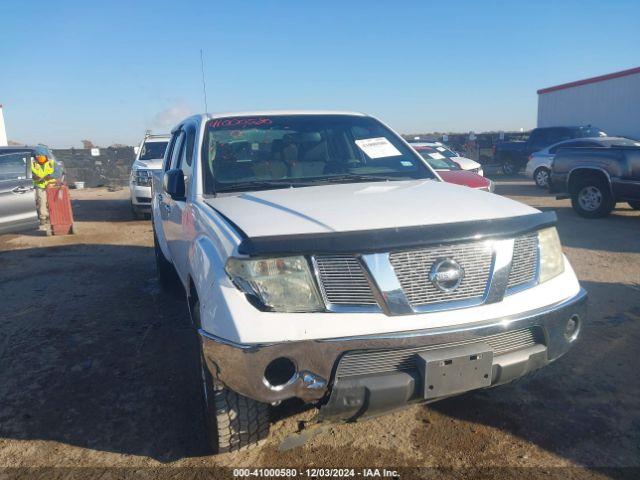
x=513 y=156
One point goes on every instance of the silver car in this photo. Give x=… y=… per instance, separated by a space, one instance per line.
x=17 y=194
x=539 y=164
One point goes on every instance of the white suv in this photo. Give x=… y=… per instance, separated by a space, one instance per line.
x=324 y=260
x=148 y=159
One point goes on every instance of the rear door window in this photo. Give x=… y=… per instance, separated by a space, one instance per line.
x=14 y=166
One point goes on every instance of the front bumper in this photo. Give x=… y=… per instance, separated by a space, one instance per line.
x=241 y=367
x=140 y=197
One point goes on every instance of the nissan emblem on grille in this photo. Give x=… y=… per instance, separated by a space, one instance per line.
x=446 y=275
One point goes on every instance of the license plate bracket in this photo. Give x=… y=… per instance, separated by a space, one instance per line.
x=451 y=370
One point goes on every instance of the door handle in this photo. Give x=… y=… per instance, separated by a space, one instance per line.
x=22 y=189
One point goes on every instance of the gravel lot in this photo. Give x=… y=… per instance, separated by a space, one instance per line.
x=97 y=369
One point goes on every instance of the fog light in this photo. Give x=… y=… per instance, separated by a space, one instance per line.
x=572 y=328
x=279 y=373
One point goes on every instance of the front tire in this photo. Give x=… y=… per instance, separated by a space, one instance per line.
x=541 y=177
x=234 y=422
x=591 y=198
x=635 y=204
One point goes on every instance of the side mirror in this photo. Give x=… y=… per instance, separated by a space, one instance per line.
x=173 y=184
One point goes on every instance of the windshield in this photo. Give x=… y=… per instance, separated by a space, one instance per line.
x=446 y=151
x=153 y=150
x=436 y=158
x=589 y=131
x=252 y=153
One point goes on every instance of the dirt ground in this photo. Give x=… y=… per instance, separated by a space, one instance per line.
x=97 y=369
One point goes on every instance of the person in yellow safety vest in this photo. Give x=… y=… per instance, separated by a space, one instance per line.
x=42 y=173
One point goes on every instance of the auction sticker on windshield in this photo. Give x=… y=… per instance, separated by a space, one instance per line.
x=378 y=147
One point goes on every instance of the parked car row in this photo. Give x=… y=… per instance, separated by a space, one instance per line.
x=539 y=164
x=512 y=156
x=448 y=166
x=597 y=177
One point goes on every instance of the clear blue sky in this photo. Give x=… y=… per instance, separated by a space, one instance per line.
x=107 y=70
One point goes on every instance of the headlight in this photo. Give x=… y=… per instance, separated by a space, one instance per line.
x=142 y=177
x=551 y=260
x=282 y=284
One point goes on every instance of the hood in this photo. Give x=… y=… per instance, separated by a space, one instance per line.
x=361 y=206
x=155 y=164
x=464 y=177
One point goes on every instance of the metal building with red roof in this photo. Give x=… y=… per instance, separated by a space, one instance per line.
x=610 y=102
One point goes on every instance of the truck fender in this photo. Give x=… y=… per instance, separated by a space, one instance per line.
x=207 y=276
x=587 y=168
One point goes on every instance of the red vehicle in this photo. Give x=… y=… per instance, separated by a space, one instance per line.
x=450 y=171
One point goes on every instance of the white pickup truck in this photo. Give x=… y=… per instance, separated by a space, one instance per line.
x=323 y=259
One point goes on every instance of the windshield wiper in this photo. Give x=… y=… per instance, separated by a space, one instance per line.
x=358 y=178
x=302 y=182
x=257 y=185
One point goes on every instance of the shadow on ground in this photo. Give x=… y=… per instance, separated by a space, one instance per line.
x=596 y=233
x=108 y=209
x=94 y=356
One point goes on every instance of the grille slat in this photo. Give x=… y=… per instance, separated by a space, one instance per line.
x=342 y=280
x=412 y=269
x=525 y=261
x=380 y=361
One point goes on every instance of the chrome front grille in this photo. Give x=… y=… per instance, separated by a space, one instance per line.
x=342 y=280
x=344 y=283
x=412 y=269
x=524 y=265
x=393 y=360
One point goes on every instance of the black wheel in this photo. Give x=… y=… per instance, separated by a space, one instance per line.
x=233 y=421
x=541 y=177
x=509 y=167
x=591 y=197
x=635 y=204
x=167 y=276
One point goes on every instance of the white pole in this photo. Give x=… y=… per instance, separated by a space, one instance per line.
x=3 y=132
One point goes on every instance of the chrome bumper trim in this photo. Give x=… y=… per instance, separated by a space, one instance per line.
x=241 y=366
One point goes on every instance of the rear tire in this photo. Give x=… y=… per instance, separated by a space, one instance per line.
x=541 y=177
x=233 y=422
x=167 y=276
x=591 y=197
x=635 y=204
